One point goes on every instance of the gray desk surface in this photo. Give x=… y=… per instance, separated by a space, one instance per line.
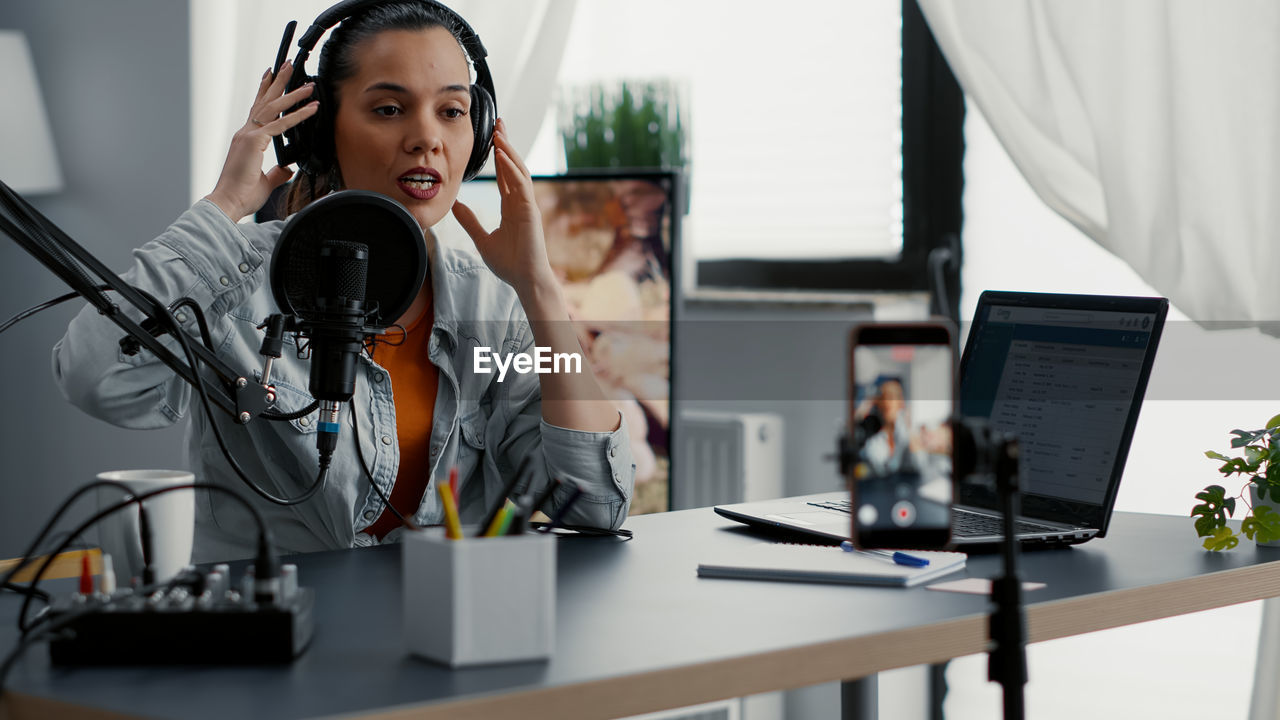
x=638 y=631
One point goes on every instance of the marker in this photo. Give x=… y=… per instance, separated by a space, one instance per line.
x=520 y=515
x=507 y=490
x=86 y=575
x=500 y=521
x=107 y=585
x=898 y=557
x=452 y=526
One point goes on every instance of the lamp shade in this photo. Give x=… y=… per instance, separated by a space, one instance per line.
x=28 y=162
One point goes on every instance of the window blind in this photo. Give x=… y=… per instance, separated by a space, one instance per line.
x=794 y=111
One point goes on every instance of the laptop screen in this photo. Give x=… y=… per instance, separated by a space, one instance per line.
x=1066 y=375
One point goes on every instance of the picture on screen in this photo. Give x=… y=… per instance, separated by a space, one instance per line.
x=610 y=240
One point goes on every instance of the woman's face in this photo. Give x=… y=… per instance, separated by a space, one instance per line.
x=402 y=127
x=890 y=401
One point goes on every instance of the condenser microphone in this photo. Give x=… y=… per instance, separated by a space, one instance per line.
x=345 y=268
x=337 y=331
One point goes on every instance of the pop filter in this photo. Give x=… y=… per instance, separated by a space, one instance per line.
x=397 y=255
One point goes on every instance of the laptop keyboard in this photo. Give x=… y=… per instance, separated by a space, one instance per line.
x=965 y=523
x=977 y=525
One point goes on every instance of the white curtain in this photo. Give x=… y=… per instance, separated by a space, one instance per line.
x=1149 y=124
x=1154 y=127
x=233 y=41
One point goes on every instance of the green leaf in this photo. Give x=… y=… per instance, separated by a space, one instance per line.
x=1273 y=474
x=1263 y=525
x=1216 y=455
x=1214 y=493
x=1245 y=437
x=1254 y=456
x=1273 y=423
x=1262 y=492
x=1214 y=510
x=1222 y=539
x=1206 y=525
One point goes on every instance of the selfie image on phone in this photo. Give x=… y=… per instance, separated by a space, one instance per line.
x=901 y=405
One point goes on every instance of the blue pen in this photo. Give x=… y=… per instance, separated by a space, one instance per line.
x=898 y=558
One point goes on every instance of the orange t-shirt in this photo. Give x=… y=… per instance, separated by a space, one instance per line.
x=414 y=381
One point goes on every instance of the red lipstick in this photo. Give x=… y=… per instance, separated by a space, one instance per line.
x=420 y=183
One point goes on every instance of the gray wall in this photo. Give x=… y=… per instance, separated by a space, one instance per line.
x=115 y=82
x=776 y=356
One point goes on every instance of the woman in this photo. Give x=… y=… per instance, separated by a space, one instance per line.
x=399 y=79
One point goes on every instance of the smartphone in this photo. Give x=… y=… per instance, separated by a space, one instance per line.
x=902 y=400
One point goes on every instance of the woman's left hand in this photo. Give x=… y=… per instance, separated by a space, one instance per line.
x=516 y=251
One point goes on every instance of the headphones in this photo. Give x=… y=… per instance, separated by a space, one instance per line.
x=310 y=143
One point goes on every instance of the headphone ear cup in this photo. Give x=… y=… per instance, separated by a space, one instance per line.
x=312 y=139
x=483 y=116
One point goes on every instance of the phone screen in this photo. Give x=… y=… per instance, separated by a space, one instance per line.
x=901 y=410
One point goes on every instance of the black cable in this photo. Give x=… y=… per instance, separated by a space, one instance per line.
x=27 y=640
x=266 y=565
x=24 y=590
x=186 y=302
x=29 y=555
x=44 y=306
x=355 y=433
x=580 y=530
x=203 y=392
x=207 y=338
x=292 y=415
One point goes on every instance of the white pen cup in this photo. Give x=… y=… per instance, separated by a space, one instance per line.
x=170 y=516
x=479 y=601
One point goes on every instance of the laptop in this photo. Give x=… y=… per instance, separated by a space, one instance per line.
x=1065 y=373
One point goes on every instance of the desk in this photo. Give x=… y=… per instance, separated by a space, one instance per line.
x=637 y=631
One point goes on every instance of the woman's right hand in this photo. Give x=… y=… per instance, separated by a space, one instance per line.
x=242 y=187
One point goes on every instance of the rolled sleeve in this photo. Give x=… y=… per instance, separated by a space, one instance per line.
x=601 y=463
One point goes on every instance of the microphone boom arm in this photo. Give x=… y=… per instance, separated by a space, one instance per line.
x=68 y=260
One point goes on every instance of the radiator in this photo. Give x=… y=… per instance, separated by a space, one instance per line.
x=727 y=457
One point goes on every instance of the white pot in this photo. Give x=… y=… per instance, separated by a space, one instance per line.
x=1269 y=502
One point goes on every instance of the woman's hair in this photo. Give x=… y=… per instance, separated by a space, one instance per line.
x=338 y=64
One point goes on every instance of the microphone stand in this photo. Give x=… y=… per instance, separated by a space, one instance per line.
x=1007 y=657
x=68 y=260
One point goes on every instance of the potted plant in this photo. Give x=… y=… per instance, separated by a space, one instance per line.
x=627 y=124
x=1260 y=465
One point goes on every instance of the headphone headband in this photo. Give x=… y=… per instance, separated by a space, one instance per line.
x=345 y=9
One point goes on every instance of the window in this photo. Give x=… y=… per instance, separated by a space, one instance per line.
x=799 y=173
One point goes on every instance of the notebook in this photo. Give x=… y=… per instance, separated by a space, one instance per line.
x=1067 y=374
x=824 y=564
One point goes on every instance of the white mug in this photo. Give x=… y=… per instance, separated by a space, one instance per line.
x=171 y=516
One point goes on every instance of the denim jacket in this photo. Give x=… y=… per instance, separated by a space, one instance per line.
x=483 y=426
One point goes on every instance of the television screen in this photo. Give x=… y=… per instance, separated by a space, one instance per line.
x=611 y=240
